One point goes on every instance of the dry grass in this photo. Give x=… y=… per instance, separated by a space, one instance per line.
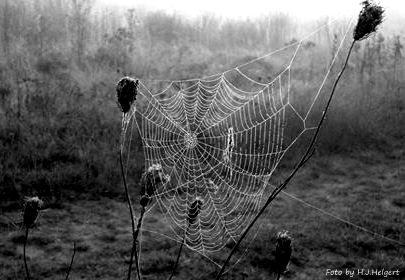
x=364 y=189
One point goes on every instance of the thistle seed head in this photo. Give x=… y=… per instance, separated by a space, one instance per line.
x=32 y=206
x=194 y=210
x=151 y=177
x=127 y=89
x=369 y=18
x=157 y=172
x=144 y=200
x=283 y=251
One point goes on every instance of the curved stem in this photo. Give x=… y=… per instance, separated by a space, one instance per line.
x=135 y=240
x=131 y=212
x=278 y=275
x=71 y=261
x=302 y=161
x=25 y=257
x=178 y=258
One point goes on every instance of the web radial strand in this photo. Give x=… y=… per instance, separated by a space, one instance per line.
x=217 y=140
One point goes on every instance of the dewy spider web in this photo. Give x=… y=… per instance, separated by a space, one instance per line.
x=219 y=138
x=216 y=141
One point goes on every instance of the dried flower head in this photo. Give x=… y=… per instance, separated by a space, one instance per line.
x=127 y=89
x=151 y=177
x=157 y=171
x=194 y=210
x=283 y=251
x=144 y=200
x=369 y=18
x=32 y=207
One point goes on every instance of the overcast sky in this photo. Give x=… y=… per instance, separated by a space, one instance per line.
x=304 y=9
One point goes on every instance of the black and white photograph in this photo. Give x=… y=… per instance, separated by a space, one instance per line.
x=202 y=140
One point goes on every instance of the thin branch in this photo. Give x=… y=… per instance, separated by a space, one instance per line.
x=135 y=240
x=133 y=252
x=131 y=212
x=309 y=156
x=25 y=257
x=178 y=257
x=193 y=213
x=71 y=261
x=302 y=161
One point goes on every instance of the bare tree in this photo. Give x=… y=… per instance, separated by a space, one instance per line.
x=79 y=26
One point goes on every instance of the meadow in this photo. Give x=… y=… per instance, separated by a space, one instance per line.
x=60 y=132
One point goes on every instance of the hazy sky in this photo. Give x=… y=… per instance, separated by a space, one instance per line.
x=304 y=9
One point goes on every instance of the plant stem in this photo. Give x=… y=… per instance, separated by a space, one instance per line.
x=302 y=161
x=25 y=257
x=131 y=212
x=71 y=261
x=135 y=240
x=178 y=257
x=278 y=275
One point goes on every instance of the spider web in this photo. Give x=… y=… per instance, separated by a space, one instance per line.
x=219 y=139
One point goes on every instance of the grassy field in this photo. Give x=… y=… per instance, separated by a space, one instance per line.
x=365 y=188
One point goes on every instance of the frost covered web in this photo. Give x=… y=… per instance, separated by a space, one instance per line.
x=219 y=139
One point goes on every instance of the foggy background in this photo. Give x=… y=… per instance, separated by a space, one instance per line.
x=60 y=128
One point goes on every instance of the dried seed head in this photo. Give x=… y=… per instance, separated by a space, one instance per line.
x=31 y=210
x=369 y=18
x=194 y=210
x=157 y=172
x=144 y=200
x=155 y=167
x=148 y=185
x=153 y=176
x=127 y=89
x=283 y=251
